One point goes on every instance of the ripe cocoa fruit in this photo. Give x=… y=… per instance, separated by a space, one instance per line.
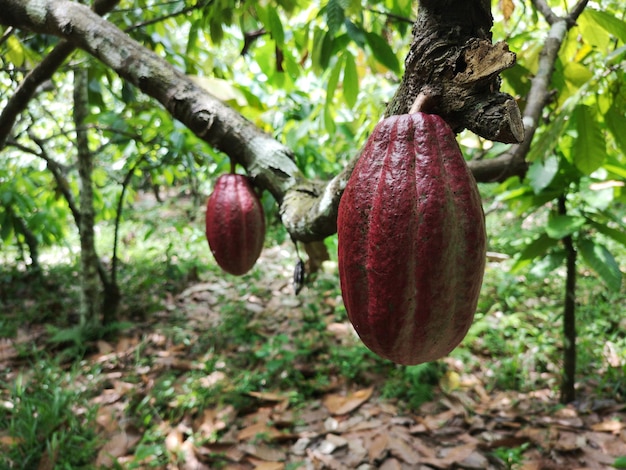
x=235 y=224
x=412 y=241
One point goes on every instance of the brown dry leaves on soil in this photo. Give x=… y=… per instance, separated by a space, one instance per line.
x=348 y=426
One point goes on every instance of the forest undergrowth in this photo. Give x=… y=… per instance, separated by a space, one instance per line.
x=208 y=371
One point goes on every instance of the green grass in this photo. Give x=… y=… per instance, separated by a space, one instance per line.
x=47 y=417
x=515 y=342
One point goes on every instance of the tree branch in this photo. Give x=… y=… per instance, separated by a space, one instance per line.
x=42 y=72
x=513 y=161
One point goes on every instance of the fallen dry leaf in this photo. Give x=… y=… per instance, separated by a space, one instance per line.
x=264 y=452
x=118 y=445
x=258 y=429
x=377 y=447
x=344 y=404
x=450 y=456
x=329 y=462
x=609 y=425
x=262 y=465
x=403 y=451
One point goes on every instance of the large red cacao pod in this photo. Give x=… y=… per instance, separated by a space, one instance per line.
x=412 y=241
x=235 y=224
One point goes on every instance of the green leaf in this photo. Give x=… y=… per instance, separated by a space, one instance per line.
x=541 y=173
x=616 y=170
x=577 y=74
x=617 y=126
x=602 y=262
x=535 y=249
x=275 y=26
x=335 y=15
x=383 y=52
x=617 y=235
x=356 y=33
x=329 y=120
x=15 y=54
x=608 y=22
x=350 y=80
x=543 y=147
x=620 y=462
x=543 y=267
x=589 y=151
x=560 y=226
x=322 y=49
x=333 y=80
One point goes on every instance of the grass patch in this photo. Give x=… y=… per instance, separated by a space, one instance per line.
x=47 y=418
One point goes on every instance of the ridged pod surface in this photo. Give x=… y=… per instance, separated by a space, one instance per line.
x=412 y=241
x=235 y=224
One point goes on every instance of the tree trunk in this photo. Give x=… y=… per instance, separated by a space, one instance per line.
x=89 y=284
x=568 y=391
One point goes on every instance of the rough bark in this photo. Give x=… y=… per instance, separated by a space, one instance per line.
x=89 y=283
x=452 y=57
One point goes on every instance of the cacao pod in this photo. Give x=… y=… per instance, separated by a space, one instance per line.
x=235 y=224
x=412 y=241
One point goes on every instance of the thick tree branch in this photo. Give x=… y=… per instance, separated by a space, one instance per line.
x=42 y=72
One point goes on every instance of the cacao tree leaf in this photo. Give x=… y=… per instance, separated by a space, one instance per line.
x=598 y=258
x=541 y=268
x=356 y=33
x=6 y=226
x=15 y=53
x=350 y=80
x=577 y=74
x=335 y=15
x=275 y=26
x=507 y=7
x=383 y=52
x=541 y=173
x=613 y=233
x=615 y=169
x=589 y=151
x=329 y=121
x=544 y=146
x=322 y=49
x=608 y=22
x=333 y=80
x=535 y=249
x=616 y=124
x=560 y=226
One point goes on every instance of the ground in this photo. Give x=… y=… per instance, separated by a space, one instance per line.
x=241 y=373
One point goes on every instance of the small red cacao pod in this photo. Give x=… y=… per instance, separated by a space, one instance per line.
x=412 y=241
x=235 y=224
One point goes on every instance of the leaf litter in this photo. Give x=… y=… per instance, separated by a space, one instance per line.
x=342 y=424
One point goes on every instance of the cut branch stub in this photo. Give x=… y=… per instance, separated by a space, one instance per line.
x=454 y=57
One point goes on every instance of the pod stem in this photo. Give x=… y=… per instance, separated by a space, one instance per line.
x=233 y=166
x=425 y=101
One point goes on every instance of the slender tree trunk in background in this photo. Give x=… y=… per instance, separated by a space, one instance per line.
x=89 y=282
x=568 y=392
x=30 y=239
